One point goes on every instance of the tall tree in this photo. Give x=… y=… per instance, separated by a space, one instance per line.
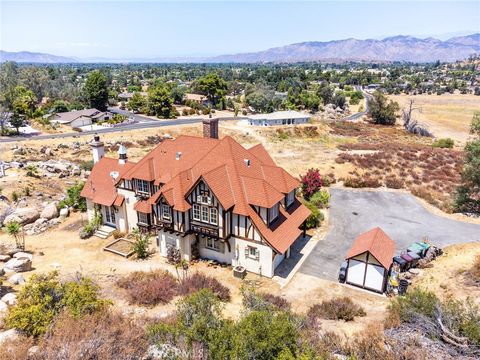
x=136 y=103
x=96 y=90
x=468 y=193
x=160 y=102
x=213 y=87
x=381 y=110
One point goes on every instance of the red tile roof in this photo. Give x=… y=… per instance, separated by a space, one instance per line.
x=239 y=178
x=375 y=241
x=143 y=206
x=222 y=165
x=100 y=185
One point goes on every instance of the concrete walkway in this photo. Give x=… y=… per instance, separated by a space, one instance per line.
x=400 y=215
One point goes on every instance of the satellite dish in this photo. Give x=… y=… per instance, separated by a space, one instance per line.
x=114 y=175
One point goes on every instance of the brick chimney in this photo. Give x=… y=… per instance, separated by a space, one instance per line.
x=210 y=128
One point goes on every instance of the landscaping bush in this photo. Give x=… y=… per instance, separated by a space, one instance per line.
x=103 y=335
x=92 y=226
x=198 y=281
x=140 y=244
x=117 y=234
x=320 y=199
x=44 y=297
x=316 y=216
x=393 y=182
x=451 y=320
x=336 y=309
x=149 y=288
x=73 y=199
x=311 y=183
x=445 y=143
x=358 y=182
x=277 y=301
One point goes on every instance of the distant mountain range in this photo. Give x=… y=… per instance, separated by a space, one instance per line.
x=396 y=48
x=33 y=57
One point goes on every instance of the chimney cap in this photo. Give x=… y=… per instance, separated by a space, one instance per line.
x=122 y=150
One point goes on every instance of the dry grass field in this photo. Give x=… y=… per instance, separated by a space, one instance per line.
x=447 y=115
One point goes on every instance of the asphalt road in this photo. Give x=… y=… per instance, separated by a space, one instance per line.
x=362 y=113
x=144 y=123
x=400 y=215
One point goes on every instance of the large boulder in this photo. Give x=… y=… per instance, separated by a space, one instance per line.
x=23 y=216
x=16 y=279
x=19 y=264
x=10 y=299
x=5 y=257
x=7 y=335
x=5 y=210
x=22 y=254
x=50 y=211
x=64 y=212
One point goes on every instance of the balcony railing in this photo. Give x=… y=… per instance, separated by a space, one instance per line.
x=203 y=230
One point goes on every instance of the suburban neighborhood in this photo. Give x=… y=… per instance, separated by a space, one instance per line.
x=304 y=185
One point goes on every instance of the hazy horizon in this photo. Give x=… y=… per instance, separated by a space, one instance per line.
x=157 y=29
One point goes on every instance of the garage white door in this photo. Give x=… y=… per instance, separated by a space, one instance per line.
x=356 y=272
x=374 y=278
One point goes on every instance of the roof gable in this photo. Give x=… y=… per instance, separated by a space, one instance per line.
x=375 y=241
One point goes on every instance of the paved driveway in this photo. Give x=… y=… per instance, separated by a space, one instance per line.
x=400 y=215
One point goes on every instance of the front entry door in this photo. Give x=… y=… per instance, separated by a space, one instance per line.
x=110 y=215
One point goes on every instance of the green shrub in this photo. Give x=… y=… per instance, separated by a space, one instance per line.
x=419 y=306
x=320 y=199
x=316 y=216
x=140 y=244
x=336 y=309
x=86 y=165
x=446 y=143
x=44 y=296
x=73 y=199
x=14 y=196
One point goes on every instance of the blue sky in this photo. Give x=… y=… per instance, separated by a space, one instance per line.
x=133 y=29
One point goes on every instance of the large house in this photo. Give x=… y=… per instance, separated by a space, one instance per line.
x=289 y=117
x=78 y=118
x=204 y=196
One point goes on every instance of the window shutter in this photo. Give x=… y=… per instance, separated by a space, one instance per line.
x=257 y=254
x=246 y=251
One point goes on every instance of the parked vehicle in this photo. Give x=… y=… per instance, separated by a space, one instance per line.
x=342 y=275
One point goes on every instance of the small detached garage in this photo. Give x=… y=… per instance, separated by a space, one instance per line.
x=369 y=260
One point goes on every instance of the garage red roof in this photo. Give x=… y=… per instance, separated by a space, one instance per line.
x=100 y=185
x=375 y=241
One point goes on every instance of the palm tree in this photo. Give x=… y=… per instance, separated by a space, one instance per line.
x=14 y=229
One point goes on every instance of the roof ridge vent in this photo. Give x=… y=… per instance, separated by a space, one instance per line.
x=178 y=155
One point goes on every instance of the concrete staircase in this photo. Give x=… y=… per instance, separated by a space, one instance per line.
x=104 y=231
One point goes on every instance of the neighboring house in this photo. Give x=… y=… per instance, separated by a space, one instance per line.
x=78 y=118
x=205 y=197
x=369 y=260
x=279 y=118
x=200 y=99
x=126 y=96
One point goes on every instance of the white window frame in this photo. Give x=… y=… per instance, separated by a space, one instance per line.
x=142 y=217
x=213 y=216
x=142 y=186
x=166 y=212
x=214 y=245
x=196 y=212
x=204 y=211
x=290 y=198
x=255 y=255
x=273 y=212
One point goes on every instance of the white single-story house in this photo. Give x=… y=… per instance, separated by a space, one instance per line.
x=79 y=118
x=369 y=260
x=279 y=118
x=203 y=197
